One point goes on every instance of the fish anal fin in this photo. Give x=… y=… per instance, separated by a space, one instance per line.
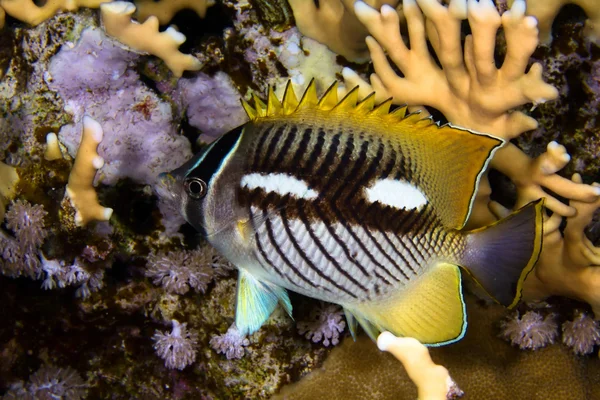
x=256 y=301
x=431 y=309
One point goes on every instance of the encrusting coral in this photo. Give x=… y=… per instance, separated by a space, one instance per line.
x=146 y=37
x=80 y=188
x=165 y=10
x=27 y=10
x=333 y=23
x=545 y=11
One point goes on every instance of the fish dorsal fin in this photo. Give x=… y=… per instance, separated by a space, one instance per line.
x=431 y=310
x=445 y=162
x=256 y=301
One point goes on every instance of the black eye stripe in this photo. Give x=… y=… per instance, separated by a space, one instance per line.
x=215 y=155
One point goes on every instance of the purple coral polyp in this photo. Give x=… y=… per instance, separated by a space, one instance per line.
x=531 y=331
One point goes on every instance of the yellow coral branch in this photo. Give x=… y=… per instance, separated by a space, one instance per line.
x=80 y=188
x=2 y=17
x=8 y=183
x=52 y=151
x=165 y=10
x=546 y=10
x=116 y=18
x=27 y=11
x=433 y=381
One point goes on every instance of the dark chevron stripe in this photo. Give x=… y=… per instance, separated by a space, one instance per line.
x=329 y=157
x=309 y=262
x=324 y=251
x=262 y=137
x=310 y=163
x=275 y=138
x=291 y=136
x=301 y=148
x=266 y=257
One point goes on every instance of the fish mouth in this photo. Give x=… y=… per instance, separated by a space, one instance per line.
x=168 y=187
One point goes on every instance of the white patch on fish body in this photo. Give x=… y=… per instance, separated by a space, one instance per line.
x=282 y=184
x=397 y=194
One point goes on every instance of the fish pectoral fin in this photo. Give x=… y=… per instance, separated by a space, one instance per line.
x=431 y=309
x=256 y=301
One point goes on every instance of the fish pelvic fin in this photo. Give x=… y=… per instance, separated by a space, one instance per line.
x=256 y=301
x=500 y=256
x=431 y=309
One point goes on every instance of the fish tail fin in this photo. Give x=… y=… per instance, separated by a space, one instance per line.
x=500 y=256
x=430 y=309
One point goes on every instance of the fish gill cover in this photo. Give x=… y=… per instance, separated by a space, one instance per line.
x=86 y=307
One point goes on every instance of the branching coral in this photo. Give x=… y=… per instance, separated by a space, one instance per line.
x=116 y=18
x=27 y=10
x=432 y=380
x=569 y=264
x=180 y=271
x=177 y=348
x=324 y=325
x=80 y=188
x=165 y=10
x=334 y=24
x=546 y=10
x=468 y=88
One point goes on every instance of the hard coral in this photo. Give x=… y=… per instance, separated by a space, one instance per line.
x=165 y=10
x=325 y=325
x=180 y=271
x=177 y=348
x=333 y=23
x=146 y=37
x=530 y=331
x=27 y=10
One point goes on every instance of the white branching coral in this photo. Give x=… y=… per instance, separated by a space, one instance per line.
x=325 y=324
x=49 y=382
x=146 y=37
x=546 y=10
x=80 y=188
x=165 y=10
x=178 y=348
x=333 y=23
x=530 y=331
x=28 y=11
x=433 y=381
x=180 y=271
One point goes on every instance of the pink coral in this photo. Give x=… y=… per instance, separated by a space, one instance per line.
x=581 y=334
x=530 y=331
x=231 y=343
x=177 y=348
x=180 y=271
x=325 y=324
x=49 y=382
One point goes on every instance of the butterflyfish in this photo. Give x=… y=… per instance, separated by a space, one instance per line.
x=348 y=202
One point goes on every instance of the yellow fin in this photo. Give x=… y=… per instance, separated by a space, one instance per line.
x=250 y=111
x=431 y=309
x=330 y=98
x=309 y=99
x=259 y=106
x=274 y=106
x=382 y=109
x=290 y=101
x=366 y=104
x=349 y=101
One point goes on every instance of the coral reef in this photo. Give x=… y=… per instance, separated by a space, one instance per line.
x=140 y=307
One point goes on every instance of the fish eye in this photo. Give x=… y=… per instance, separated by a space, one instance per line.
x=195 y=187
